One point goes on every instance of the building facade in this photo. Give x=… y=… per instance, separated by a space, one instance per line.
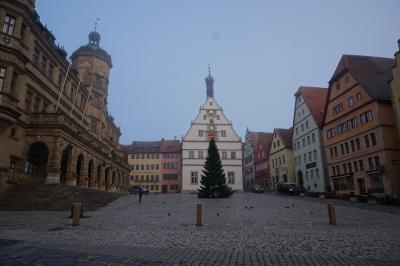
x=308 y=148
x=362 y=147
x=144 y=160
x=248 y=162
x=395 y=88
x=155 y=165
x=171 y=166
x=256 y=160
x=211 y=122
x=281 y=162
x=49 y=130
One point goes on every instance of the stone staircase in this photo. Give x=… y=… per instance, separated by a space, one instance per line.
x=53 y=198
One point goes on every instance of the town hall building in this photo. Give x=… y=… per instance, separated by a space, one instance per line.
x=211 y=122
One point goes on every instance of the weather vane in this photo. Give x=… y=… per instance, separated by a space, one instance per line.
x=95 y=24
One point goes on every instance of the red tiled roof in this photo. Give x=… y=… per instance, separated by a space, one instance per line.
x=373 y=73
x=170 y=146
x=145 y=146
x=315 y=99
x=286 y=135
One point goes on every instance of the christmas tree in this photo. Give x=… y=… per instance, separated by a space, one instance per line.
x=213 y=181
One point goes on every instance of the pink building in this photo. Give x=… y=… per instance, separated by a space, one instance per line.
x=171 y=166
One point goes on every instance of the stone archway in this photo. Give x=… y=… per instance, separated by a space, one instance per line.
x=107 y=178
x=113 y=179
x=79 y=169
x=37 y=159
x=119 y=182
x=90 y=173
x=65 y=164
x=300 y=179
x=99 y=172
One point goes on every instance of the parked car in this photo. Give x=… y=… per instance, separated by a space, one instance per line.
x=288 y=188
x=257 y=189
x=135 y=190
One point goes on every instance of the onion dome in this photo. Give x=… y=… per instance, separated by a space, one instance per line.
x=93 y=48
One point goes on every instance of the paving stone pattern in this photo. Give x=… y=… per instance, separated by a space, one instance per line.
x=247 y=229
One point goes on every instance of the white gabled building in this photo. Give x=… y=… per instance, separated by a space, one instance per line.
x=211 y=121
x=307 y=138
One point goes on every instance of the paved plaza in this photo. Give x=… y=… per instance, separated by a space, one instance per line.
x=247 y=229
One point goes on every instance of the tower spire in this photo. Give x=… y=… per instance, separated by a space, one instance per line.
x=95 y=24
x=209 y=83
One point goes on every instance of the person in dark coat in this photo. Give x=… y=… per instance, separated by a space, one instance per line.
x=140 y=192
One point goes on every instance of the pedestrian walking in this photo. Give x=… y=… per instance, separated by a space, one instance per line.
x=140 y=192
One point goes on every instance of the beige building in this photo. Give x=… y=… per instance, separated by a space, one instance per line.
x=395 y=86
x=54 y=121
x=281 y=162
x=360 y=138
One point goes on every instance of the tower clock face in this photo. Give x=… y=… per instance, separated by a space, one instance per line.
x=212 y=128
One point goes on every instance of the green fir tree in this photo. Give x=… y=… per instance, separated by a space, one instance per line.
x=213 y=181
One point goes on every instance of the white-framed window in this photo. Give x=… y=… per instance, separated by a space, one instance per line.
x=2 y=77
x=224 y=155
x=351 y=103
x=191 y=154
x=200 y=154
x=231 y=177
x=194 y=177
x=9 y=24
x=201 y=133
x=233 y=155
x=223 y=133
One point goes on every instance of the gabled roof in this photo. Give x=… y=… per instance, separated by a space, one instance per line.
x=373 y=73
x=260 y=138
x=315 y=98
x=286 y=136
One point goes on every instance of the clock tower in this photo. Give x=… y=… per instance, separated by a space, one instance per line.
x=211 y=123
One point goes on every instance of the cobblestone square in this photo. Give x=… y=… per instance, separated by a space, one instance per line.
x=247 y=229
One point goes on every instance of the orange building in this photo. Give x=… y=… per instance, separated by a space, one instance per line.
x=359 y=132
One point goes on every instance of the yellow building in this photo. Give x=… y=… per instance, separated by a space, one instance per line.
x=145 y=163
x=395 y=84
x=281 y=162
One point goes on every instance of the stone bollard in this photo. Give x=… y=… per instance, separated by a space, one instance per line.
x=76 y=215
x=332 y=213
x=72 y=210
x=199 y=216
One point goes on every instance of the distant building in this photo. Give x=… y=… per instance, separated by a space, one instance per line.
x=362 y=146
x=256 y=160
x=395 y=88
x=54 y=120
x=308 y=139
x=171 y=166
x=211 y=122
x=144 y=160
x=281 y=162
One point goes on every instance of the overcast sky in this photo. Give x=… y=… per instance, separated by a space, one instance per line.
x=260 y=53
